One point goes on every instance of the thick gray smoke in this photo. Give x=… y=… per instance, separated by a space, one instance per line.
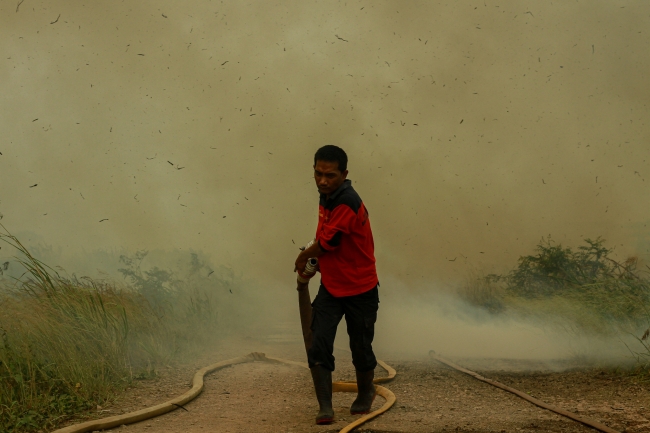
x=473 y=128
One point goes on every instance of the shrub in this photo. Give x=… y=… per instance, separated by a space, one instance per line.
x=68 y=344
x=592 y=292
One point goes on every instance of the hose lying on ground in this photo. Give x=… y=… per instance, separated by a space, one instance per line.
x=197 y=387
x=304 y=303
x=586 y=421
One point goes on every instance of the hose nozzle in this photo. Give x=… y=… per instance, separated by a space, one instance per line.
x=310 y=271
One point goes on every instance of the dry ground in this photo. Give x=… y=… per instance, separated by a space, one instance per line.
x=261 y=397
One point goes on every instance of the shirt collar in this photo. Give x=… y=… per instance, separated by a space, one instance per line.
x=347 y=183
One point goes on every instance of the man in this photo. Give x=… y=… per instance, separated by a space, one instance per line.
x=349 y=284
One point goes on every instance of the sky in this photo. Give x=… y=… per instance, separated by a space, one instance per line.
x=473 y=128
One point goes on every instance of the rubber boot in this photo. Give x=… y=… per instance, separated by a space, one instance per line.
x=323 y=385
x=366 y=393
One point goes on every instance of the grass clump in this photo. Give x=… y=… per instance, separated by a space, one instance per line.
x=68 y=344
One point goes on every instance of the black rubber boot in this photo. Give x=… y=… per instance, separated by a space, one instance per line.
x=366 y=393
x=323 y=385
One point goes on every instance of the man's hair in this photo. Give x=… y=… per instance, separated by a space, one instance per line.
x=331 y=153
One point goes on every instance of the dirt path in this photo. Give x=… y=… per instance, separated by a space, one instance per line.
x=262 y=397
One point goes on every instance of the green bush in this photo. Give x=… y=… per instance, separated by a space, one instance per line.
x=587 y=288
x=555 y=270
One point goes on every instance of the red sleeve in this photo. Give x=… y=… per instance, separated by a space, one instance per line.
x=339 y=222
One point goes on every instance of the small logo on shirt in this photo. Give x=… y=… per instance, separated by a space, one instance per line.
x=364 y=216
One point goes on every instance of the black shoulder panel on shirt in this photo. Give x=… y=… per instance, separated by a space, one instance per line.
x=348 y=197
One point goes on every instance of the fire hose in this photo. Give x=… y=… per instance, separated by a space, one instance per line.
x=304 y=303
x=581 y=419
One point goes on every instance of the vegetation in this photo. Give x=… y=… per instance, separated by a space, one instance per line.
x=591 y=291
x=67 y=344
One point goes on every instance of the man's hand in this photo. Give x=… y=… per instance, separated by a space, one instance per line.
x=301 y=262
x=313 y=251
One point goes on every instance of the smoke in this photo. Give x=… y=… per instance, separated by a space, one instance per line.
x=473 y=129
x=438 y=321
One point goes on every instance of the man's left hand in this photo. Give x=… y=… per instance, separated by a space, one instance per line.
x=301 y=262
x=313 y=251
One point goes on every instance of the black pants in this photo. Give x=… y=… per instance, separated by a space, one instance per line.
x=360 y=316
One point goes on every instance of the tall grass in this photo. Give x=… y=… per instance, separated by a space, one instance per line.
x=68 y=344
x=592 y=292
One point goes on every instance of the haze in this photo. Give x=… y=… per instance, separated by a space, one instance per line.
x=473 y=128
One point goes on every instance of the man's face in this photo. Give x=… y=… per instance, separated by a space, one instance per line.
x=328 y=176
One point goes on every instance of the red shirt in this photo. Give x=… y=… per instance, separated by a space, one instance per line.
x=348 y=266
